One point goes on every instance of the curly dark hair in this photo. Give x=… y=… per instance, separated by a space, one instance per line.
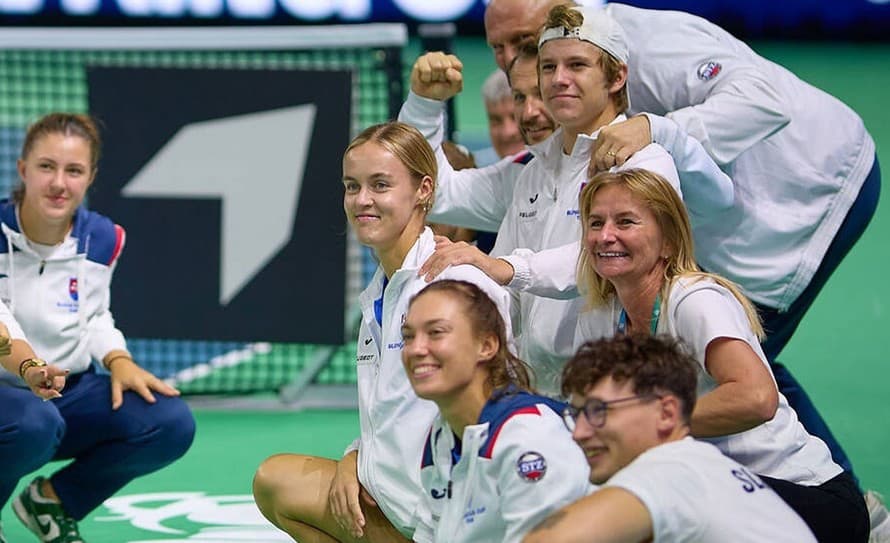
x=653 y=364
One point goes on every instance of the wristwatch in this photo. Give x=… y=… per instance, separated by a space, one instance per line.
x=30 y=363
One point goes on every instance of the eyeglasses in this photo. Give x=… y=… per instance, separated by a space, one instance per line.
x=595 y=410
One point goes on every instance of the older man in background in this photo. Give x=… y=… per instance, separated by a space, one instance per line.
x=503 y=130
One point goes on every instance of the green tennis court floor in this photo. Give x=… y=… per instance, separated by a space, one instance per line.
x=205 y=497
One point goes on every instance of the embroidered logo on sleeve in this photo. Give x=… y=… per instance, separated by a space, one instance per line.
x=709 y=70
x=531 y=466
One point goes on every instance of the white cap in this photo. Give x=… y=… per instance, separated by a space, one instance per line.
x=598 y=28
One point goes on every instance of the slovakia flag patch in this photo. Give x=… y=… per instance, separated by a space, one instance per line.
x=72 y=288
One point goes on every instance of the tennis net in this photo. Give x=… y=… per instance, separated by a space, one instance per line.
x=45 y=69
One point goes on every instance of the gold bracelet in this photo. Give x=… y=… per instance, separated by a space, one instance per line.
x=113 y=358
x=29 y=363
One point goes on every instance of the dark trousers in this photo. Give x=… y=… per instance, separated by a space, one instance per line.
x=835 y=511
x=109 y=448
x=780 y=326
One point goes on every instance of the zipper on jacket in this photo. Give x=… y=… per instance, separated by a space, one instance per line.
x=42 y=265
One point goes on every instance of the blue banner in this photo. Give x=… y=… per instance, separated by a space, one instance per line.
x=836 y=19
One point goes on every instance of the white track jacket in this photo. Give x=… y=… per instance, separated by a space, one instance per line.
x=393 y=420
x=517 y=465
x=62 y=303
x=797 y=155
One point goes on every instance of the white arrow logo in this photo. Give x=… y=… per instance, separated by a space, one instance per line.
x=255 y=164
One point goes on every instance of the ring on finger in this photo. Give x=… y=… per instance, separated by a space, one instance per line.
x=611 y=154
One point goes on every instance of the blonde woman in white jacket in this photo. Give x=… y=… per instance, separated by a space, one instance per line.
x=373 y=492
x=640 y=277
x=56 y=263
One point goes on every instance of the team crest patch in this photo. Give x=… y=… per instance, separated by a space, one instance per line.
x=709 y=70
x=531 y=467
x=72 y=288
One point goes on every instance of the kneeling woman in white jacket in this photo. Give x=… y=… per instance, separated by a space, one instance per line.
x=373 y=492
x=497 y=459
x=56 y=263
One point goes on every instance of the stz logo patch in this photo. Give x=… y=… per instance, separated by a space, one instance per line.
x=533 y=200
x=709 y=70
x=72 y=288
x=531 y=467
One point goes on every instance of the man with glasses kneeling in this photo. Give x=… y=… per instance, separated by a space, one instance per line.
x=631 y=398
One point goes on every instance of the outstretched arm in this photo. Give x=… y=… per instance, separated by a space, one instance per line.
x=475 y=198
x=549 y=273
x=706 y=189
x=435 y=77
x=609 y=515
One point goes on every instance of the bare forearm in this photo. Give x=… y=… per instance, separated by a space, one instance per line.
x=729 y=409
x=21 y=350
x=610 y=515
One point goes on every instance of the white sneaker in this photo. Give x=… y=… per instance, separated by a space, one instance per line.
x=46 y=518
x=879 y=518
